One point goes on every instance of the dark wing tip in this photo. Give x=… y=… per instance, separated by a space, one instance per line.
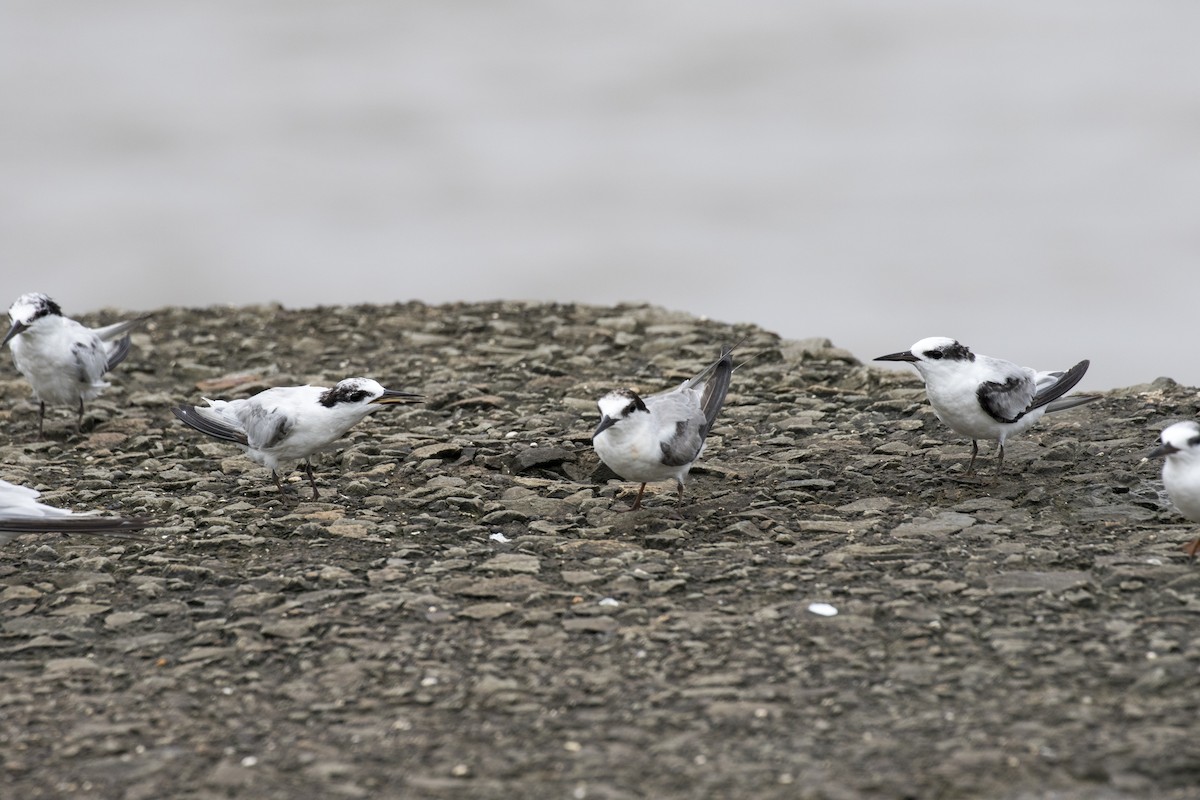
x=120 y=351
x=716 y=389
x=191 y=416
x=1063 y=385
x=119 y=527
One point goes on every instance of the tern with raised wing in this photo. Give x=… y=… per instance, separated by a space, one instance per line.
x=987 y=398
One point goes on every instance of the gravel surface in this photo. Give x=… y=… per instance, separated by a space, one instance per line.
x=468 y=614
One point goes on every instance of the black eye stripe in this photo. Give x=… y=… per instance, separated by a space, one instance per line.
x=343 y=394
x=953 y=351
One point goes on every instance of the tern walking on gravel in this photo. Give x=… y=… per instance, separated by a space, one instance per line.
x=987 y=398
x=279 y=427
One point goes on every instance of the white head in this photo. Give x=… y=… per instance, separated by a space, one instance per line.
x=1179 y=442
x=616 y=406
x=363 y=395
x=28 y=309
x=934 y=353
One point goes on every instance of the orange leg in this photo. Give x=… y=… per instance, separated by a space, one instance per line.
x=1191 y=548
x=638 y=502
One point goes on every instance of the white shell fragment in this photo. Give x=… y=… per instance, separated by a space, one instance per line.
x=822 y=609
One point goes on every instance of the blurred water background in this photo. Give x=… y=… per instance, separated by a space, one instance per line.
x=1023 y=176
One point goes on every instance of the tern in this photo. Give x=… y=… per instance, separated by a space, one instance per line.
x=661 y=436
x=63 y=360
x=279 y=427
x=1180 y=445
x=987 y=398
x=20 y=512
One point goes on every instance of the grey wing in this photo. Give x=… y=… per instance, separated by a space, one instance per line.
x=265 y=427
x=116 y=352
x=1008 y=400
x=91 y=362
x=708 y=389
x=684 y=445
x=683 y=442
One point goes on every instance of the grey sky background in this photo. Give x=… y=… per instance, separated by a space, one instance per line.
x=1022 y=176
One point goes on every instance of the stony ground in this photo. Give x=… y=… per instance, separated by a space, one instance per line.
x=466 y=613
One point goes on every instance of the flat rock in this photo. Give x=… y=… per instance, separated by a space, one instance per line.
x=512 y=562
x=540 y=457
x=486 y=610
x=597 y=624
x=516 y=587
x=945 y=523
x=1023 y=582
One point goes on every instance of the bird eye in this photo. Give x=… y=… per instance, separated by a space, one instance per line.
x=935 y=354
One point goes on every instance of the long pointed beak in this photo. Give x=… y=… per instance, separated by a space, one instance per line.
x=605 y=424
x=1163 y=449
x=903 y=355
x=16 y=328
x=392 y=397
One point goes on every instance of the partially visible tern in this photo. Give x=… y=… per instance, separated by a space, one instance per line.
x=20 y=513
x=63 y=360
x=1179 y=446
